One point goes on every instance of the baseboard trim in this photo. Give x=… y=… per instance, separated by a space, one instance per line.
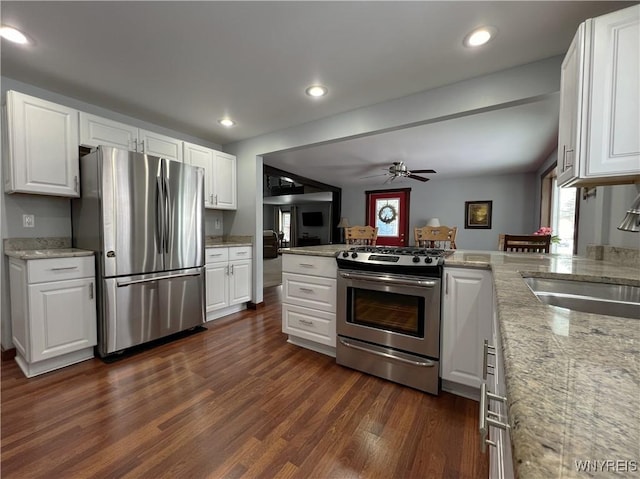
x=251 y=305
x=7 y=354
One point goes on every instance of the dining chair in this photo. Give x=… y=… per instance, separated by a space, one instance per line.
x=361 y=235
x=526 y=243
x=442 y=237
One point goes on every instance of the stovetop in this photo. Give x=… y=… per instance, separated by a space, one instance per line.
x=407 y=260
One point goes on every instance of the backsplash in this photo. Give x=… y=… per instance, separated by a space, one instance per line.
x=613 y=254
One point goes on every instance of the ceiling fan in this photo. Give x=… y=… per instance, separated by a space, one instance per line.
x=399 y=170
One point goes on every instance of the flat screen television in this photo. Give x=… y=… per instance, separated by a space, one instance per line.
x=312 y=218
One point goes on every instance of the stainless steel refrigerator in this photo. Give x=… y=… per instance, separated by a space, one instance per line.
x=143 y=217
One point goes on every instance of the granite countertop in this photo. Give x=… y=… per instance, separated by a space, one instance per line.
x=572 y=378
x=42 y=248
x=226 y=241
x=226 y=245
x=48 y=253
x=327 y=250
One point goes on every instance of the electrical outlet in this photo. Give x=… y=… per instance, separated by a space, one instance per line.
x=28 y=221
x=218 y=224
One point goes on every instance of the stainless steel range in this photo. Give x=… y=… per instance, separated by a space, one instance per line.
x=388 y=317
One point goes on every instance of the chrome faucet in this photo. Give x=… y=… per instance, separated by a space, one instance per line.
x=631 y=221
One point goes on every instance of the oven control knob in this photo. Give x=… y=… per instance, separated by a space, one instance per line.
x=354 y=255
x=416 y=259
x=345 y=254
x=428 y=259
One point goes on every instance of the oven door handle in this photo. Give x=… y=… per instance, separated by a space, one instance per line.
x=424 y=363
x=388 y=279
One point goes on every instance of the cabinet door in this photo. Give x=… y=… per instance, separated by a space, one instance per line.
x=569 y=131
x=217 y=295
x=613 y=146
x=239 y=282
x=467 y=311
x=42 y=147
x=224 y=181
x=155 y=144
x=197 y=155
x=95 y=131
x=63 y=317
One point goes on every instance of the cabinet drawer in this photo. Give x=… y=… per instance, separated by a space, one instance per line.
x=216 y=255
x=310 y=324
x=239 y=252
x=313 y=265
x=309 y=291
x=57 y=269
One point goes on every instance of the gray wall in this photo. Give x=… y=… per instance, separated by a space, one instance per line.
x=512 y=197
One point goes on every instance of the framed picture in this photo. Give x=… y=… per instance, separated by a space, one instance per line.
x=477 y=214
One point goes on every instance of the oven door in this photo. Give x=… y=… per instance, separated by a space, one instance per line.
x=395 y=311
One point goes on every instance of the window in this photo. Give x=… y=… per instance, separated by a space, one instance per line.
x=558 y=210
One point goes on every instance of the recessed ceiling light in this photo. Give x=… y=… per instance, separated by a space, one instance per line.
x=228 y=122
x=13 y=35
x=316 y=91
x=479 y=36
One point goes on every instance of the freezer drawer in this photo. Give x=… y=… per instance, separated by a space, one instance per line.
x=138 y=309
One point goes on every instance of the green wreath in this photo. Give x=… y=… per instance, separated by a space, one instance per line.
x=387 y=214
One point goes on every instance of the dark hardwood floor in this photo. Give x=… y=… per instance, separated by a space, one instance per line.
x=234 y=401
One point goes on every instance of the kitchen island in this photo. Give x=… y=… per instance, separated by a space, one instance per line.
x=572 y=378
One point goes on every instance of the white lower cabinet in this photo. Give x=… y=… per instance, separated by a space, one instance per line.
x=309 y=301
x=467 y=309
x=228 y=280
x=53 y=312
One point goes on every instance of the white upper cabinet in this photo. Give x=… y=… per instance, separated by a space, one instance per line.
x=163 y=146
x=197 y=155
x=95 y=130
x=598 y=140
x=224 y=181
x=40 y=147
x=220 y=175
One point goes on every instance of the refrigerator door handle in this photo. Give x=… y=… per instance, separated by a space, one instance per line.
x=168 y=230
x=156 y=278
x=160 y=214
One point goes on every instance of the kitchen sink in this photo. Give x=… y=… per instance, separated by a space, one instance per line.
x=589 y=297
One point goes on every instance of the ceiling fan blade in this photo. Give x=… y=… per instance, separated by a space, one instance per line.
x=419 y=178
x=423 y=171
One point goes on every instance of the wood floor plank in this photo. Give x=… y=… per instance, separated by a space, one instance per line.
x=234 y=401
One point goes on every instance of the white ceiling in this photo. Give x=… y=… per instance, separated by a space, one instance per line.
x=184 y=65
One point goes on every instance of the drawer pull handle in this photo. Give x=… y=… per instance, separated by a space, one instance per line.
x=217 y=254
x=488 y=350
x=241 y=252
x=90 y=290
x=306 y=290
x=306 y=321
x=307 y=265
x=489 y=418
x=64 y=269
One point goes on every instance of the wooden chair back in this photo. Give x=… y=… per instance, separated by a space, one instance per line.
x=361 y=235
x=526 y=243
x=443 y=237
